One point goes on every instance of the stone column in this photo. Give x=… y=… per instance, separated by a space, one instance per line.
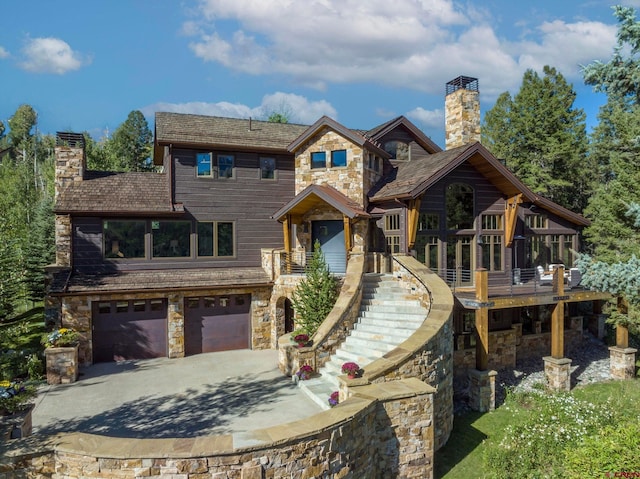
x=175 y=320
x=623 y=362
x=558 y=373
x=482 y=390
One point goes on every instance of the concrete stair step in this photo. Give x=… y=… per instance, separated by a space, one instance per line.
x=380 y=323
x=394 y=336
x=404 y=316
x=354 y=344
x=319 y=390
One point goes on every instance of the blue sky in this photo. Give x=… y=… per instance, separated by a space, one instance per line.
x=84 y=65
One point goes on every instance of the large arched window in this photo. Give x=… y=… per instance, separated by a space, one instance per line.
x=459 y=197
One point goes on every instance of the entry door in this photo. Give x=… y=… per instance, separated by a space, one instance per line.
x=460 y=260
x=330 y=234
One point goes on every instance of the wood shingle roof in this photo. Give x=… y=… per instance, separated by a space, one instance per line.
x=118 y=193
x=212 y=131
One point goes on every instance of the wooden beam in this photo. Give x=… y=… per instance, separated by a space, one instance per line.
x=286 y=231
x=557 y=316
x=413 y=217
x=482 y=320
x=511 y=217
x=347 y=233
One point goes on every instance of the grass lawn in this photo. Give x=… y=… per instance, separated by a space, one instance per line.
x=462 y=455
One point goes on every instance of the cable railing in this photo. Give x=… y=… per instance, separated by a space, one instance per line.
x=296 y=262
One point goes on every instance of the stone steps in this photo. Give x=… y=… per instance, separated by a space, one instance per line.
x=388 y=315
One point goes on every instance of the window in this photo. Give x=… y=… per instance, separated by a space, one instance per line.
x=267 y=168
x=215 y=239
x=538 y=252
x=555 y=249
x=339 y=158
x=124 y=239
x=398 y=150
x=392 y=222
x=393 y=244
x=318 y=159
x=139 y=306
x=171 y=239
x=491 y=222
x=459 y=201
x=429 y=221
x=536 y=221
x=225 y=166
x=492 y=252
x=205 y=167
x=567 y=254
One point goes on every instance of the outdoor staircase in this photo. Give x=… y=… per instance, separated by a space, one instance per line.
x=389 y=314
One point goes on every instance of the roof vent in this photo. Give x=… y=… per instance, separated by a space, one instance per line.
x=73 y=140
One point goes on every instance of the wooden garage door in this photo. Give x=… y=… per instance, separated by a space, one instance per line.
x=217 y=323
x=134 y=329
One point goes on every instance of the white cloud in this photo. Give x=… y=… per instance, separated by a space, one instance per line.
x=427 y=118
x=3 y=53
x=298 y=108
x=50 y=55
x=417 y=44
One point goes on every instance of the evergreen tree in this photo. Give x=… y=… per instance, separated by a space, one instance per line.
x=542 y=138
x=620 y=77
x=40 y=250
x=129 y=149
x=315 y=295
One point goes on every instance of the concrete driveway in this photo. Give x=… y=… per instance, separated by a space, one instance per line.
x=216 y=393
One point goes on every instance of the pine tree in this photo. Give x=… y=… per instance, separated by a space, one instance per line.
x=40 y=251
x=315 y=295
x=542 y=138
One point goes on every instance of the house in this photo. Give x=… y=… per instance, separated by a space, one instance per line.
x=197 y=258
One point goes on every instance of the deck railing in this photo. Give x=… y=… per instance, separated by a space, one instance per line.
x=518 y=280
x=296 y=262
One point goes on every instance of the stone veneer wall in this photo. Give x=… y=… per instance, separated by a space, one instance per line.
x=381 y=431
x=76 y=313
x=347 y=180
x=428 y=353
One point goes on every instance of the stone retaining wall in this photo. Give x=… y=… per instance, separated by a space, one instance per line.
x=383 y=430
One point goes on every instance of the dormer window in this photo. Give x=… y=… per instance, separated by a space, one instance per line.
x=318 y=159
x=339 y=158
x=398 y=150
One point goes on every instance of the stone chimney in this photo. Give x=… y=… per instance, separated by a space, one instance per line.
x=462 y=112
x=71 y=162
x=70 y=167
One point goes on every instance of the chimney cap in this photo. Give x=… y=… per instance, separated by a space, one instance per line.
x=73 y=140
x=468 y=83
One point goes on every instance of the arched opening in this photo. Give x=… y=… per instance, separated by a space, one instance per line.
x=289 y=322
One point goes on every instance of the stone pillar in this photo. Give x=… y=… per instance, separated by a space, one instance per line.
x=482 y=390
x=175 y=320
x=63 y=240
x=623 y=362
x=557 y=373
x=62 y=364
x=462 y=112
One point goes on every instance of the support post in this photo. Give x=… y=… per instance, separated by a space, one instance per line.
x=482 y=320
x=557 y=316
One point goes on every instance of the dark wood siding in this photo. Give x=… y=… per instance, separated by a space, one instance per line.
x=87 y=243
x=246 y=199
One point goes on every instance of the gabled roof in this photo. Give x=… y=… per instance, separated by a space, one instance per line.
x=423 y=140
x=218 y=132
x=411 y=179
x=118 y=193
x=353 y=136
x=315 y=194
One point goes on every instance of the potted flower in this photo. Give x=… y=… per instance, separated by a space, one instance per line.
x=60 y=338
x=304 y=372
x=350 y=369
x=15 y=409
x=334 y=398
x=61 y=353
x=302 y=339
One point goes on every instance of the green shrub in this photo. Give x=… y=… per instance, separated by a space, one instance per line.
x=35 y=367
x=613 y=449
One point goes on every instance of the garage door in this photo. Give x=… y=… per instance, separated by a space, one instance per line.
x=134 y=329
x=217 y=323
